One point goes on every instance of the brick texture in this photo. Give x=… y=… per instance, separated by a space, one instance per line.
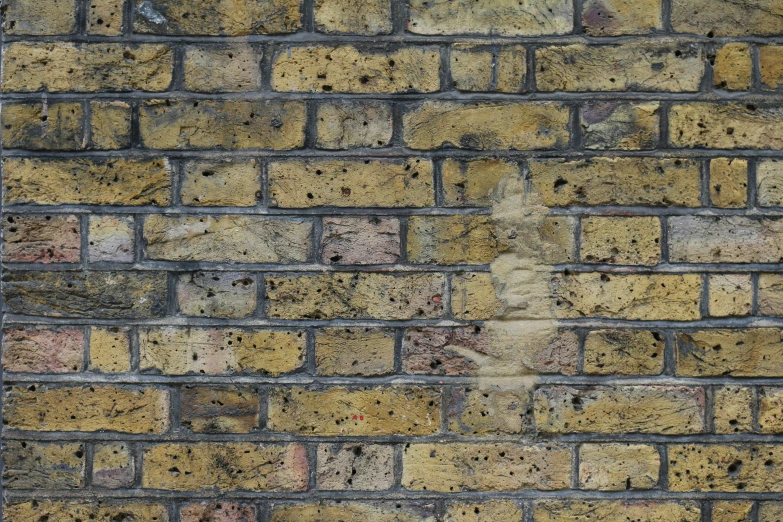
x=392 y=260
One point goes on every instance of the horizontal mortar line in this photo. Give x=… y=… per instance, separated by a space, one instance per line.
x=712 y=96
x=656 y=210
x=726 y=322
x=394 y=153
x=737 y=439
x=178 y=266
x=668 y=268
x=87 y=378
x=248 y=211
x=406 y=37
x=401 y=494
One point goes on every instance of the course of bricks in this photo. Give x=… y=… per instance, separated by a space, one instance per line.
x=392 y=260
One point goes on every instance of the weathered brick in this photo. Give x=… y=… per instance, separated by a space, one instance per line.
x=670 y=66
x=217 y=17
x=488 y=410
x=87 y=408
x=86 y=67
x=471 y=67
x=39 y=17
x=726 y=239
x=74 y=510
x=354 y=351
x=489 y=511
x=355 y=295
x=229 y=466
x=621 y=240
x=221 y=183
x=620 y=17
x=628 y=296
x=351 y=183
x=474 y=467
x=378 y=511
x=770 y=294
x=224 y=409
x=770 y=511
x=352 y=124
x=42 y=350
x=444 y=351
x=110 y=125
x=227 y=238
x=176 y=351
x=729 y=182
x=731 y=511
x=41 y=239
x=473 y=296
x=368 y=17
x=733 y=68
x=98 y=295
x=717 y=467
x=771 y=410
x=511 y=69
x=725 y=126
x=217 y=294
x=730 y=295
x=360 y=241
x=355 y=70
x=114 y=181
x=618 y=467
x=111 y=238
x=624 y=126
x=239 y=70
x=355 y=467
x=451 y=240
x=491 y=17
x=617 y=181
x=769 y=183
x=486 y=125
x=113 y=465
x=733 y=409
x=222 y=124
x=110 y=350
x=472 y=183
x=217 y=512
x=770 y=57
x=620 y=409
x=41 y=465
x=727 y=18
x=615 y=511
x=354 y=411
x=738 y=353
x=35 y=126
x=105 y=17
x=624 y=352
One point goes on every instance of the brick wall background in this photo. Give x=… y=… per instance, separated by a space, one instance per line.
x=392 y=260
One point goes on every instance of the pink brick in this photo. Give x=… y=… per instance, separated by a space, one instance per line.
x=42 y=350
x=217 y=512
x=41 y=239
x=361 y=241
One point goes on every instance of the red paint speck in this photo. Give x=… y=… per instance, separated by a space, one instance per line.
x=437 y=299
x=361 y=417
x=354 y=417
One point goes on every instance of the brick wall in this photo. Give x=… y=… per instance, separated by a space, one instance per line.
x=392 y=260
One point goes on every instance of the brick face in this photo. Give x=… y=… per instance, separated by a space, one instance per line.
x=392 y=260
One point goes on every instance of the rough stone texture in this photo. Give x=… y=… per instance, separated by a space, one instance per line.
x=113 y=466
x=110 y=350
x=771 y=410
x=486 y=126
x=771 y=294
x=240 y=68
x=472 y=183
x=745 y=352
x=725 y=126
x=621 y=241
x=483 y=511
x=730 y=295
x=360 y=241
x=354 y=351
x=704 y=239
x=354 y=411
x=80 y=510
x=227 y=183
x=733 y=409
x=347 y=467
x=39 y=17
x=618 y=467
x=729 y=182
x=33 y=126
x=727 y=18
x=771 y=70
x=371 y=511
x=40 y=465
x=110 y=125
x=350 y=124
x=729 y=468
x=624 y=126
x=451 y=240
x=733 y=67
x=176 y=351
x=220 y=512
x=351 y=183
x=105 y=17
x=621 y=17
x=769 y=183
x=624 y=352
x=322 y=69
x=338 y=16
x=615 y=511
x=111 y=238
x=211 y=409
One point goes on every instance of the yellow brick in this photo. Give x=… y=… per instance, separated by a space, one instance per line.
x=363 y=17
x=348 y=124
x=624 y=352
x=41 y=465
x=113 y=465
x=733 y=67
x=725 y=126
x=770 y=57
x=769 y=183
x=239 y=68
x=729 y=182
x=35 y=126
x=351 y=183
x=109 y=350
x=723 y=511
x=354 y=510
x=724 y=468
x=229 y=183
x=618 y=467
x=511 y=69
x=726 y=17
x=737 y=353
x=473 y=297
x=621 y=240
x=733 y=409
x=354 y=70
x=730 y=295
x=472 y=183
x=39 y=17
x=620 y=17
x=110 y=125
x=471 y=67
x=342 y=411
x=623 y=126
x=87 y=408
x=224 y=409
x=615 y=511
x=105 y=17
x=771 y=410
x=452 y=240
x=354 y=351
x=506 y=510
x=771 y=294
x=75 y=510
